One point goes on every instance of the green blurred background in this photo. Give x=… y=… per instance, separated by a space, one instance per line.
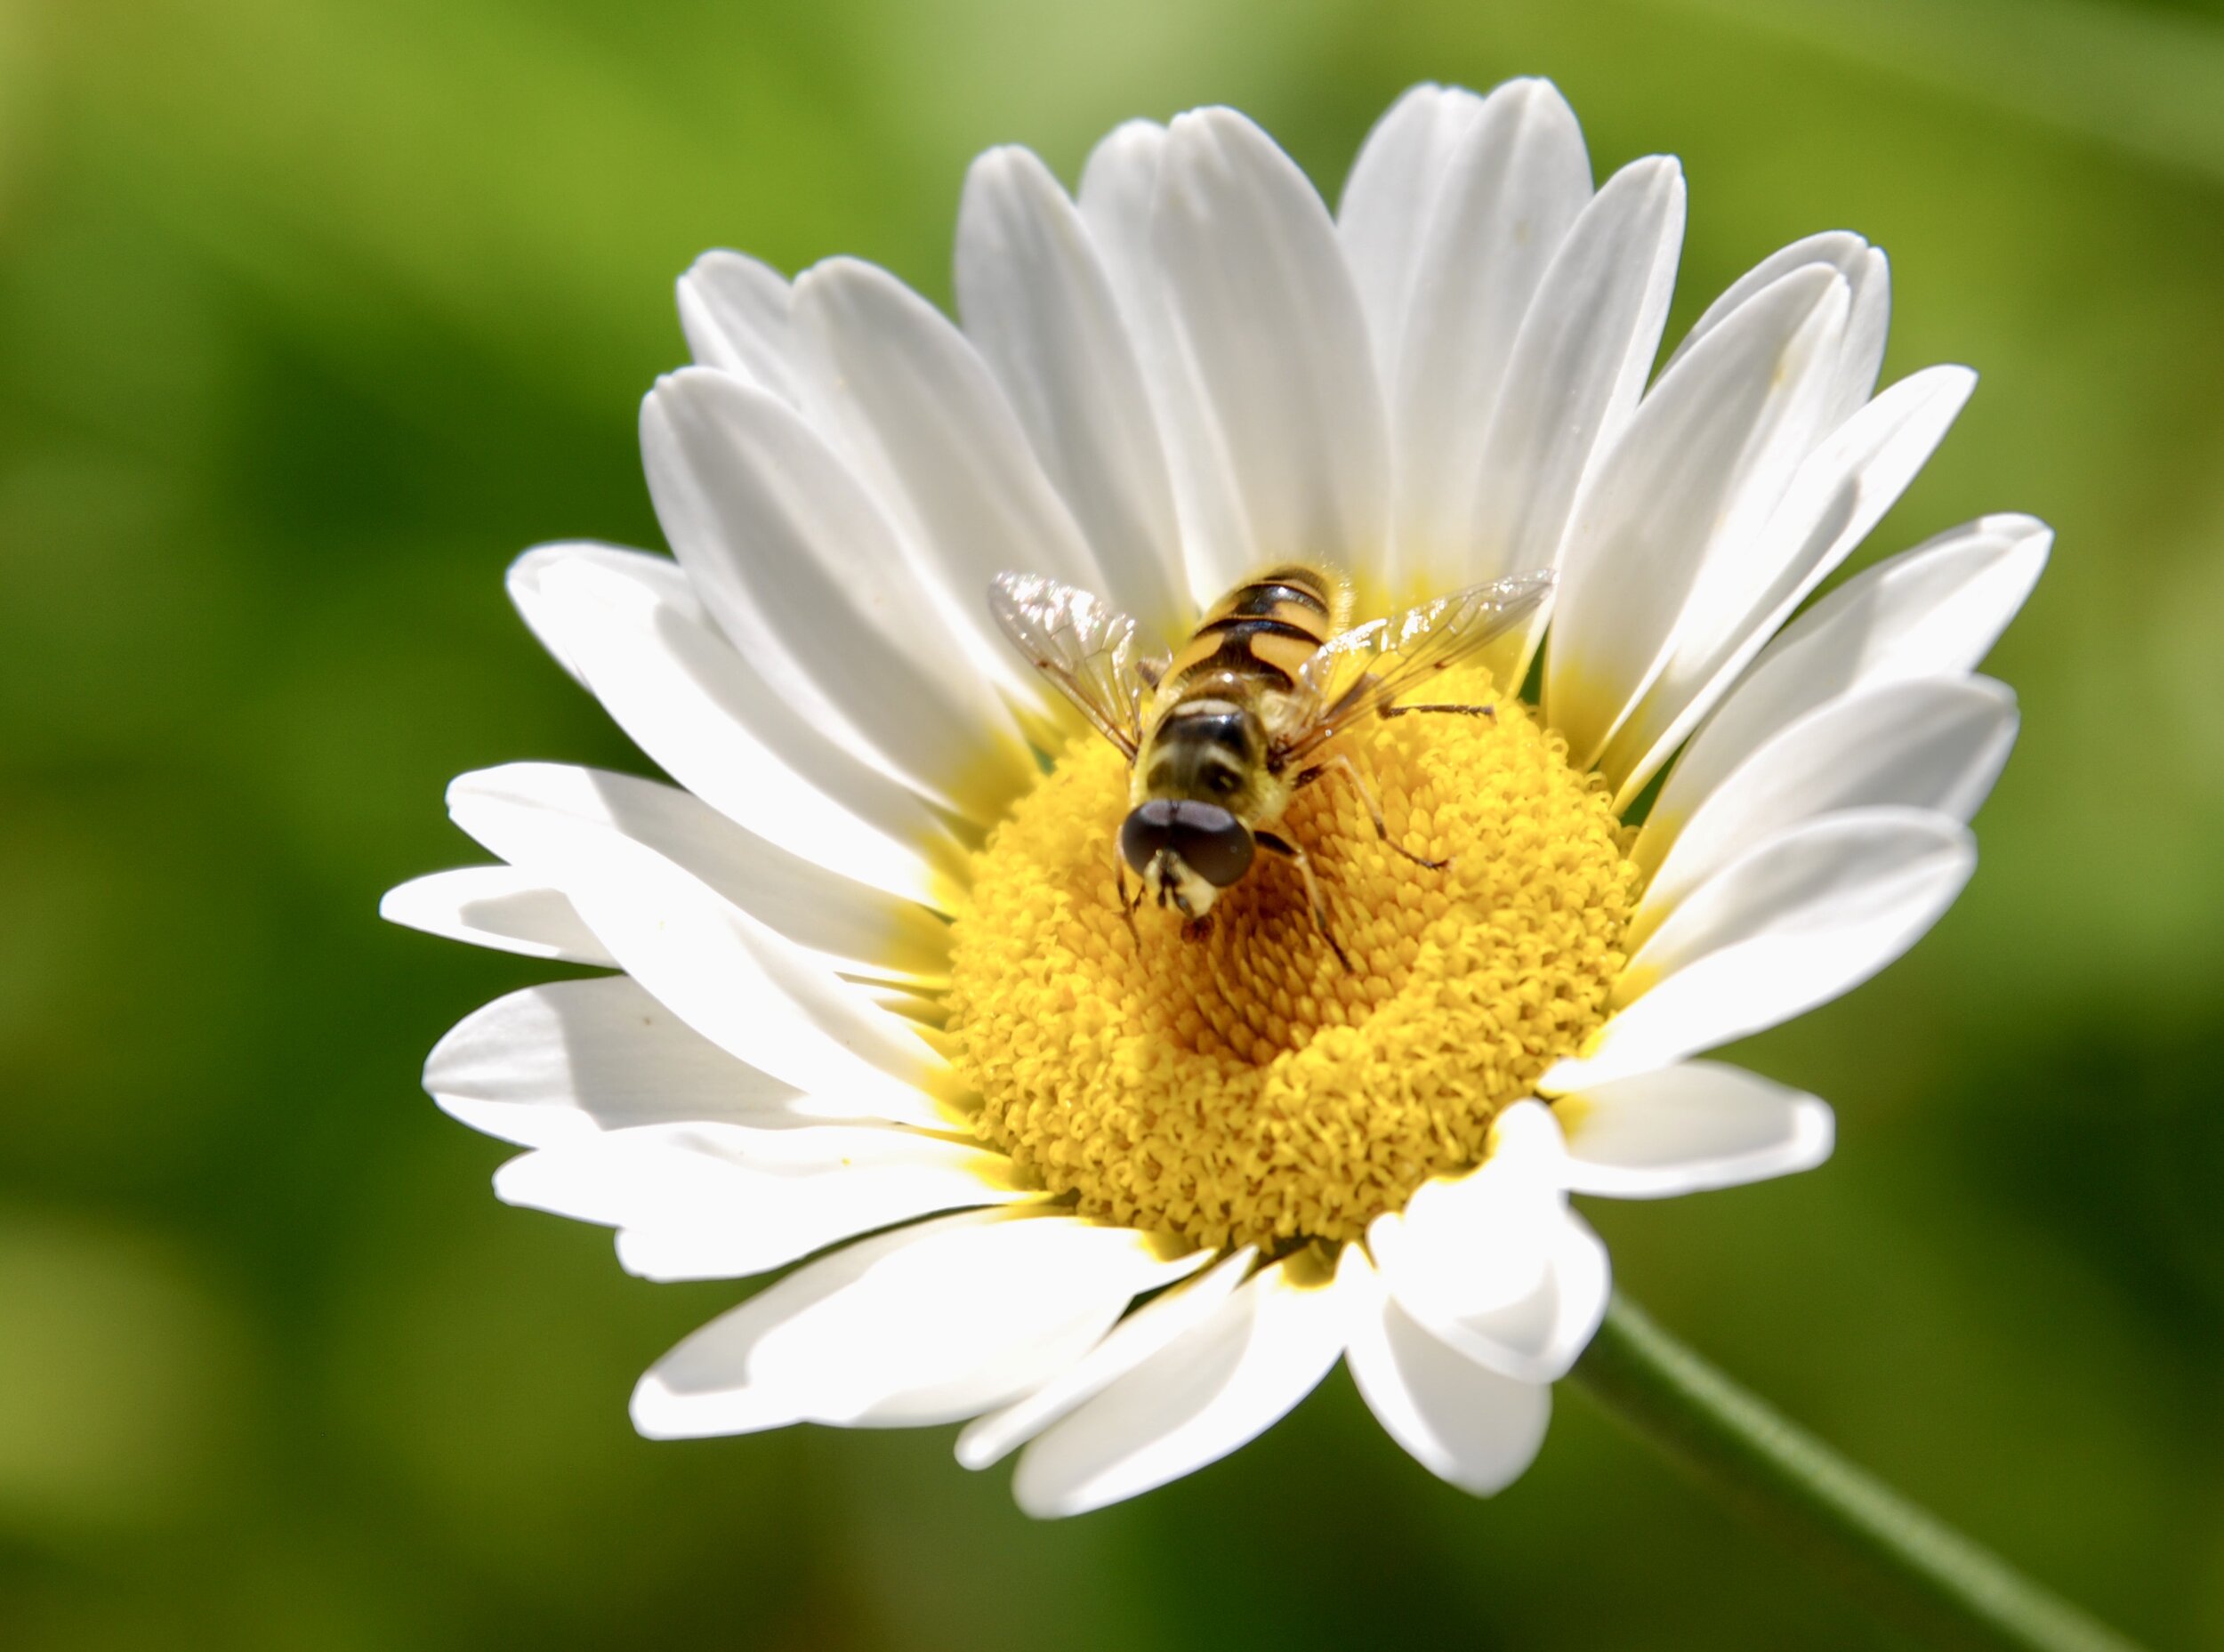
x=314 y=312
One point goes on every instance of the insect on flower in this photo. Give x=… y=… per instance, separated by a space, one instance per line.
x=1222 y=734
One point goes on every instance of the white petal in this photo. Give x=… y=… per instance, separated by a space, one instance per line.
x=735 y=313
x=1810 y=913
x=924 y=1325
x=1931 y=611
x=1577 y=365
x=1390 y=198
x=854 y=926
x=1257 y=286
x=703 y=1173
x=1158 y=1324
x=1937 y=744
x=1842 y=490
x=1474 y=1241
x=1263 y=1349
x=1118 y=187
x=1036 y=303
x=659 y=575
x=927 y=426
x=1687 y=1129
x=731 y=977
x=571 y=1058
x=1862 y=356
x=1461 y=1421
x=497 y=906
x=1535 y=1336
x=806 y=576
x=1864 y=268
x=727 y=734
x=925 y=1008
x=1707 y=457
x=713 y=1201
x=1516 y=182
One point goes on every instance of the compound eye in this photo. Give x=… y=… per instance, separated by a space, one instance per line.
x=1216 y=845
x=1148 y=829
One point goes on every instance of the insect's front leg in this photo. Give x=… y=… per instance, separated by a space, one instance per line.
x=1342 y=764
x=1291 y=852
x=1119 y=883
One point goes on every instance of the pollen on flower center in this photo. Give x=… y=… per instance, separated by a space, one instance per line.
x=1242 y=1087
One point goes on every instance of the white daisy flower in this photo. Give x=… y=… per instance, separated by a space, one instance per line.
x=874 y=976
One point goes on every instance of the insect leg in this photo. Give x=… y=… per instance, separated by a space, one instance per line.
x=1342 y=762
x=1291 y=852
x=1457 y=711
x=1119 y=883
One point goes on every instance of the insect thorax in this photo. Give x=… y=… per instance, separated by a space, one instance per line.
x=1209 y=747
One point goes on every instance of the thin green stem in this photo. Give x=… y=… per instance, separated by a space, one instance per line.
x=1907 y=1564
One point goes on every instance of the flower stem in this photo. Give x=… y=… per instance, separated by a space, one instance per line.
x=1907 y=1564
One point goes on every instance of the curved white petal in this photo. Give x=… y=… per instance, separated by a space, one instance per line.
x=752 y=993
x=1707 y=457
x=566 y=1060
x=919 y=414
x=1260 y=1351
x=1475 y=1241
x=658 y=574
x=1265 y=308
x=805 y=575
x=1118 y=187
x=927 y=1324
x=1839 y=493
x=1515 y=182
x=723 y=1201
x=1688 y=1129
x=1036 y=303
x=1931 y=611
x=1492 y=1260
x=1533 y=1337
x=731 y=977
x=1460 y=1420
x=727 y=734
x=1158 y=1324
x=1862 y=356
x=1810 y=913
x=1391 y=198
x=1577 y=365
x=852 y=925
x=734 y=310
x=1866 y=272
x=497 y=906
x=1937 y=743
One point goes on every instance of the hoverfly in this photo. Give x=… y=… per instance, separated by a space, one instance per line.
x=1221 y=734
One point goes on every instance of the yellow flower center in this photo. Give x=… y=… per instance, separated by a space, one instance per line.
x=1241 y=1086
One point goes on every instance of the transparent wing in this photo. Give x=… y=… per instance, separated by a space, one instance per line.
x=1087 y=648
x=1371 y=666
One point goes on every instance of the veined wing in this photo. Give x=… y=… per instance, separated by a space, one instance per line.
x=1084 y=647
x=1370 y=667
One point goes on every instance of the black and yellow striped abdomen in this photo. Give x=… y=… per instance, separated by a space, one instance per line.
x=1264 y=629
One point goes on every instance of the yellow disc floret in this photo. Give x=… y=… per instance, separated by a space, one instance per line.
x=1240 y=1085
